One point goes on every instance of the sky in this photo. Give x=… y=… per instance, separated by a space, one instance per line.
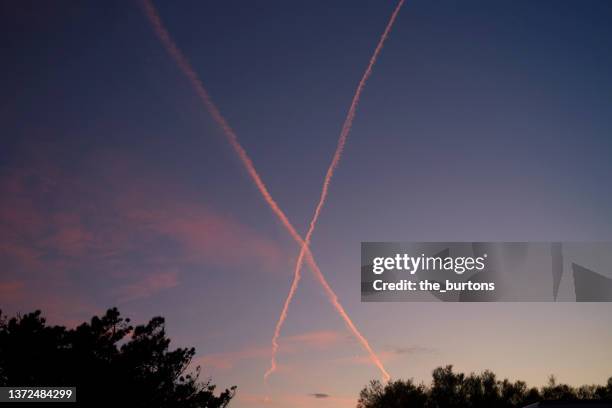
x=481 y=121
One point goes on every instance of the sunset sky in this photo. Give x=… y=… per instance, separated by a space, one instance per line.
x=481 y=121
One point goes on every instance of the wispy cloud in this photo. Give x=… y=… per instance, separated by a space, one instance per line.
x=11 y=290
x=314 y=340
x=147 y=286
x=132 y=228
x=228 y=360
x=389 y=354
x=411 y=350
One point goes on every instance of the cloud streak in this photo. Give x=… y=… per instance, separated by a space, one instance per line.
x=314 y=340
x=390 y=354
x=11 y=290
x=133 y=238
x=151 y=284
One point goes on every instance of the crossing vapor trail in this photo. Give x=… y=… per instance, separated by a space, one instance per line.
x=346 y=128
x=184 y=65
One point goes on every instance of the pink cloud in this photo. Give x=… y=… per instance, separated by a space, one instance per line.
x=149 y=285
x=128 y=211
x=289 y=345
x=56 y=307
x=228 y=360
x=315 y=339
x=11 y=291
x=117 y=219
x=206 y=236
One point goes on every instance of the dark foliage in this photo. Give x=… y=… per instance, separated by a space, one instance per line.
x=110 y=362
x=452 y=390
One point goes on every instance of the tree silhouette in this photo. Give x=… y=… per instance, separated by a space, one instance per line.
x=109 y=361
x=450 y=389
x=394 y=394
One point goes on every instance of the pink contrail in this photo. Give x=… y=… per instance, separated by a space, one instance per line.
x=185 y=66
x=346 y=128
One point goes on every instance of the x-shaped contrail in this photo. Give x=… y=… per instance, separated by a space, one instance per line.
x=305 y=251
x=346 y=128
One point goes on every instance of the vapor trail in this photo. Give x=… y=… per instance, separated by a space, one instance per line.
x=346 y=128
x=185 y=66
